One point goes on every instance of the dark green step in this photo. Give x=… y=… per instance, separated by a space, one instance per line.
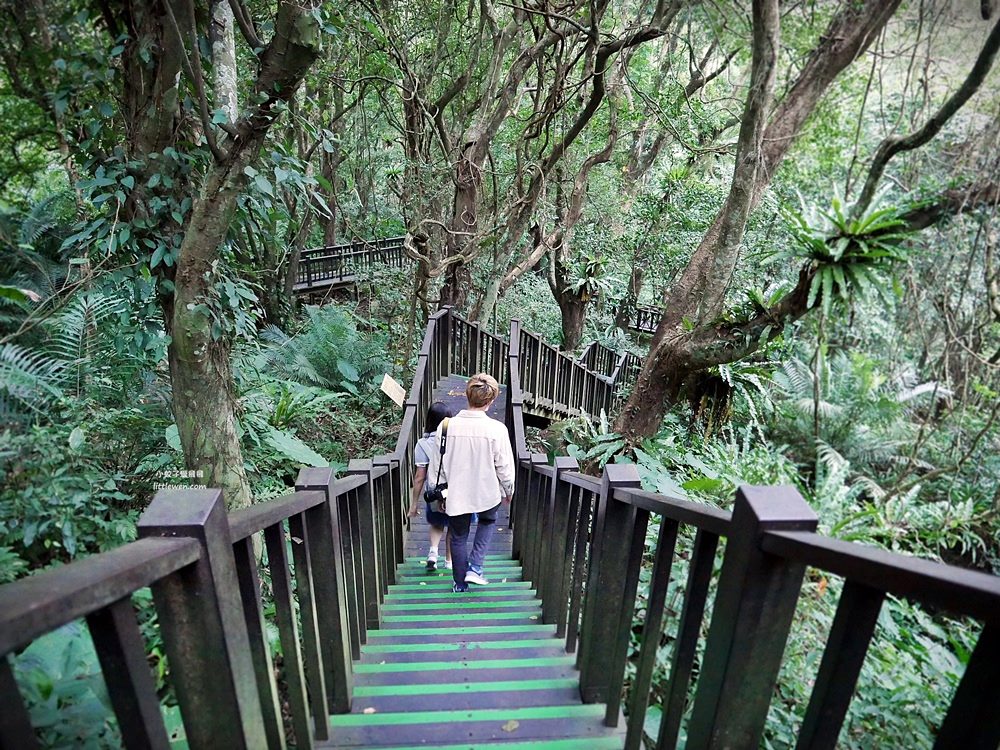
x=514 y=649
x=461 y=634
x=439 y=696
x=435 y=728
x=611 y=742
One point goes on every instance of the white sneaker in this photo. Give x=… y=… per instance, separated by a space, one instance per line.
x=447 y=564
x=474 y=577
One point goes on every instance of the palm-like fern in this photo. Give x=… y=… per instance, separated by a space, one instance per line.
x=30 y=382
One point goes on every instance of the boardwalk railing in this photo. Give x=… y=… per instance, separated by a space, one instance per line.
x=645 y=318
x=554 y=383
x=582 y=540
x=337 y=264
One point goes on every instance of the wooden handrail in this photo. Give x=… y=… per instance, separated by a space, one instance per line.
x=51 y=598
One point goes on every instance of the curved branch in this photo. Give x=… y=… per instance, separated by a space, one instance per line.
x=894 y=144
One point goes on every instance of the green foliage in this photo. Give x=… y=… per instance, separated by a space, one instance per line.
x=330 y=351
x=61 y=682
x=846 y=253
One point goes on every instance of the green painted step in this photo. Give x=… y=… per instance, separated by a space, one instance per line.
x=372 y=691
x=460 y=604
x=445 y=583
x=411 y=580
x=586 y=711
x=421 y=560
x=586 y=743
x=471 y=630
x=400 y=596
x=408 y=648
x=422 y=572
x=473 y=615
x=434 y=666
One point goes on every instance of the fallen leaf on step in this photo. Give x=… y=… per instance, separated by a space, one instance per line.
x=510 y=726
x=369 y=711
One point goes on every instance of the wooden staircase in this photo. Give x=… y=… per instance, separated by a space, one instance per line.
x=476 y=670
x=459 y=671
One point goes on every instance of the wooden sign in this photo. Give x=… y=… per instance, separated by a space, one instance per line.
x=393 y=390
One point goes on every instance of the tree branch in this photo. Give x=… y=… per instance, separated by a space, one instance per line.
x=894 y=144
x=244 y=21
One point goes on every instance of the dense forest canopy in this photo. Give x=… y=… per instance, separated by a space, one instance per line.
x=804 y=192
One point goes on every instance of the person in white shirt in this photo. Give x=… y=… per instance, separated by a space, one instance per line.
x=479 y=466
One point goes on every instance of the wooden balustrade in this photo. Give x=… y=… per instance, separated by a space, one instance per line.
x=582 y=541
x=328 y=266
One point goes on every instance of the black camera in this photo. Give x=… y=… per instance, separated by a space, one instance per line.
x=436 y=496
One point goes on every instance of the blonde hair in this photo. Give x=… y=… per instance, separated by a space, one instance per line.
x=481 y=390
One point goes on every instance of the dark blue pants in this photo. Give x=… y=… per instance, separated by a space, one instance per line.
x=459 y=526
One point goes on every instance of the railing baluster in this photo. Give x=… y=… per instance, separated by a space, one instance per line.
x=574 y=496
x=753 y=612
x=608 y=570
x=201 y=617
x=651 y=629
x=253 y=614
x=973 y=721
x=393 y=514
x=16 y=731
x=620 y=636
x=330 y=572
x=284 y=615
x=368 y=548
x=122 y=654
x=354 y=581
x=313 y=653
x=682 y=662
x=853 y=627
x=581 y=565
x=558 y=524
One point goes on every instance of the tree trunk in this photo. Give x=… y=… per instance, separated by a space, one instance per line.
x=223 y=38
x=203 y=399
x=697 y=299
x=574 y=315
x=464 y=224
x=699 y=295
x=626 y=308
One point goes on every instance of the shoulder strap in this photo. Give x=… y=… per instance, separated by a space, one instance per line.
x=444 y=435
x=444 y=444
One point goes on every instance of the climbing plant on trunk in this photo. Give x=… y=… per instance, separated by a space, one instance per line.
x=166 y=172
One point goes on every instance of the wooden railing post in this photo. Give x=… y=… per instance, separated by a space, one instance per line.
x=323 y=523
x=614 y=523
x=201 y=618
x=395 y=516
x=371 y=568
x=753 y=613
